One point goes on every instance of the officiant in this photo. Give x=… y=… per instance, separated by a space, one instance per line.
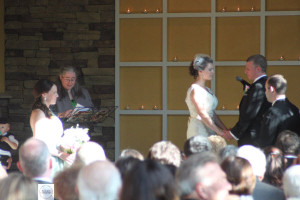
x=70 y=93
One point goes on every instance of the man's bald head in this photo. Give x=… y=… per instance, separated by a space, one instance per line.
x=34 y=157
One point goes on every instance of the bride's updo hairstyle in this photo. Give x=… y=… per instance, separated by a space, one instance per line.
x=199 y=63
x=42 y=86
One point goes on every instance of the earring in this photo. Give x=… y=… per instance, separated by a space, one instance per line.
x=45 y=99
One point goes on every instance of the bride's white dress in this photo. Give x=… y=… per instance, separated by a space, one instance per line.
x=209 y=101
x=50 y=131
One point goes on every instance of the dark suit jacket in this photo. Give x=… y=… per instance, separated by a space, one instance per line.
x=283 y=115
x=252 y=107
x=264 y=191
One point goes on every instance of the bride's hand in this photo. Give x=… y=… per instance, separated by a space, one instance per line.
x=227 y=135
x=69 y=158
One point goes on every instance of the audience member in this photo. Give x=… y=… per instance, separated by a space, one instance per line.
x=148 y=180
x=240 y=174
x=257 y=160
x=291 y=183
x=289 y=143
x=229 y=150
x=282 y=115
x=8 y=143
x=274 y=167
x=171 y=168
x=201 y=177
x=88 y=153
x=165 y=152
x=35 y=161
x=18 y=187
x=131 y=152
x=99 y=180
x=65 y=183
x=196 y=144
x=217 y=142
x=297 y=160
x=124 y=164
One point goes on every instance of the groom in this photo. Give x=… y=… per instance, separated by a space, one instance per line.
x=253 y=104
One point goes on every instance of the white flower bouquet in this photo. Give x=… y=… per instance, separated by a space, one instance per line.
x=73 y=138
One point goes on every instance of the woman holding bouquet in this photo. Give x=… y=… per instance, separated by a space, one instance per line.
x=201 y=101
x=45 y=125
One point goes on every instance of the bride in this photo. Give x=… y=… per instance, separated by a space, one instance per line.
x=201 y=102
x=45 y=125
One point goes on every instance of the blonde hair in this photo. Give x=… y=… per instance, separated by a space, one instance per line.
x=131 y=152
x=218 y=143
x=165 y=152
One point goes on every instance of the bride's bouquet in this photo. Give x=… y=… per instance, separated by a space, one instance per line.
x=73 y=138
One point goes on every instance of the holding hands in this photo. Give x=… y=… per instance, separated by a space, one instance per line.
x=227 y=135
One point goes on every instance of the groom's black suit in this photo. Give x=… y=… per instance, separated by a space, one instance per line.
x=252 y=107
x=283 y=115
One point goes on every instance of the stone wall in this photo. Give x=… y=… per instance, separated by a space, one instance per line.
x=41 y=36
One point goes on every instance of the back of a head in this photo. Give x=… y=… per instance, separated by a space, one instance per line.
x=229 y=150
x=240 y=174
x=125 y=164
x=99 y=180
x=291 y=181
x=288 y=142
x=34 y=157
x=165 y=152
x=278 y=82
x=131 y=152
x=148 y=179
x=196 y=144
x=17 y=186
x=218 y=143
x=88 y=153
x=275 y=166
x=186 y=173
x=65 y=183
x=256 y=158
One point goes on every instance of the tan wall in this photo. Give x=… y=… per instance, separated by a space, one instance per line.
x=236 y=38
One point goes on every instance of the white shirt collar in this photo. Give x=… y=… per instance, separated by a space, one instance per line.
x=279 y=98
x=43 y=179
x=259 y=78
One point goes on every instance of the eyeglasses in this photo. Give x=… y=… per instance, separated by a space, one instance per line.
x=69 y=80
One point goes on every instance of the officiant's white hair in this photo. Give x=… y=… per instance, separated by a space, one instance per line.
x=88 y=153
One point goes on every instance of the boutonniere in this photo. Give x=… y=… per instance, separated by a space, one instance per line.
x=247 y=87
